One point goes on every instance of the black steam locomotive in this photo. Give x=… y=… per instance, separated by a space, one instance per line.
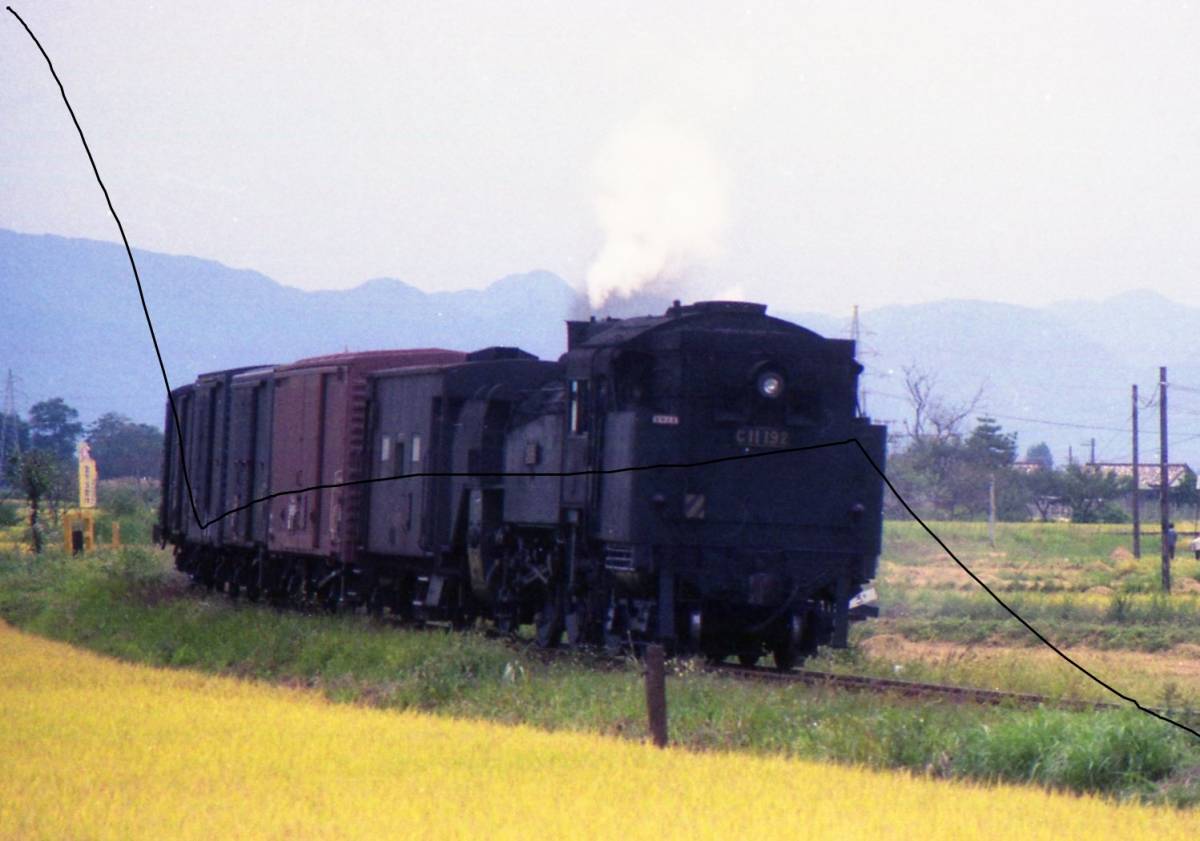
x=696 y=478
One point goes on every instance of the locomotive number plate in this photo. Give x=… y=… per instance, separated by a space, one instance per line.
x=762 y=436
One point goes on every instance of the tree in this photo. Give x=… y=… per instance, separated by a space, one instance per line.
x=1089 y=491
x=1185 y=494
x=124 y=448
x=1040 y=454
x=38 y=474
x=15 y=432
x=1045 y=489
x=932 y=415
x=988 y=447
x=54 y=427
x=951 y=476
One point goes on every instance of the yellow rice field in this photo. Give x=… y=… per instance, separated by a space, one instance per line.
x=92 y=748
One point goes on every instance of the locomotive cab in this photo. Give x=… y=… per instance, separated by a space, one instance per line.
x=731 y=503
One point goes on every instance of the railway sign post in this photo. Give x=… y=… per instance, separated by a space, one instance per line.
x=79 y=527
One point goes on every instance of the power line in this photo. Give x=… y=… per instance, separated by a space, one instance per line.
x=1045 y=421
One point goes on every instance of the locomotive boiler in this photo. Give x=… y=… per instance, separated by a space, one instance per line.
x=702 y=478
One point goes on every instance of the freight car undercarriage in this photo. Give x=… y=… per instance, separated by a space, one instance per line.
x=534 y=583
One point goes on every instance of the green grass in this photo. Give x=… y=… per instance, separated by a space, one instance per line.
x=906 y=542
x=128 y=604
x=1077 y=582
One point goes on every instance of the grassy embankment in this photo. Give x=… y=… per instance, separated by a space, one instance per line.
x=98 y=749
x=129 y=604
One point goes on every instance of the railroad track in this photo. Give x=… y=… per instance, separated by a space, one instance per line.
x=906 y=688
x=861 y=683
x=810 y=677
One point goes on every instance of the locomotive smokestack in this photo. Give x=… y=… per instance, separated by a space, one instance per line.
x=661 y=201
x=577 y=333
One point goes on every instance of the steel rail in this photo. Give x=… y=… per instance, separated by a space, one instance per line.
x=907 y=688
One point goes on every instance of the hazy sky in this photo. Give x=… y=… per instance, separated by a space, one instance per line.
x=809 y=155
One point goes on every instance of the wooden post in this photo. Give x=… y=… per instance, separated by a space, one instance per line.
x=992 y=511
x=656 y=695
x=1137 y=484
x=1164 y=502
x=116 y=533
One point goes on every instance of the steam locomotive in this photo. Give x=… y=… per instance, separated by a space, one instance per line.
x=700 y=479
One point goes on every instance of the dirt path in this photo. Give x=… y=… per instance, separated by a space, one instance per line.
x=1020 y=668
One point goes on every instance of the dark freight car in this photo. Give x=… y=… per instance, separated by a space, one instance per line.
x=318 y=433
x=248 y=476
x=207 y=450
x=175 y=510
x=441 y=420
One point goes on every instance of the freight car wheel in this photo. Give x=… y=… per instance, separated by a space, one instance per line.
x=549 y=621
x=786 y=647
x=581 y=630
x=504 y=619
x=785 y=656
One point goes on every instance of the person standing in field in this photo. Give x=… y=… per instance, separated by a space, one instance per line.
x=1172 y=539
x=1196 y=546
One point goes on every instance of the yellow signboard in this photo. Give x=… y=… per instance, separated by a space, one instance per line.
x=87 y=476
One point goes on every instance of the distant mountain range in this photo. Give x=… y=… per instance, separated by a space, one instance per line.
x=73 y=326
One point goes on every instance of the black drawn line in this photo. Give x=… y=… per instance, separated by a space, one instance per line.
x=855 y=441
x=128 y=251
x=557 y=474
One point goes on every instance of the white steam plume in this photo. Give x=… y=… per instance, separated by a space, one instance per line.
x=661 y=202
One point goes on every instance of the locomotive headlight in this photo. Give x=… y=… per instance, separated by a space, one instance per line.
x=770 y=384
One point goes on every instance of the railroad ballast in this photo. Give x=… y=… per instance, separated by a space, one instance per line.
x=602 y=498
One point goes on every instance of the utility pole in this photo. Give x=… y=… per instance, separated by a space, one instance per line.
x=1092 y=460
x=1163 y=501
x=1137 y=484
x=855 y=336
x=8 y=425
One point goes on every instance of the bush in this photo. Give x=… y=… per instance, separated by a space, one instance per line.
x=1110 y=512
x=1113 y=751
x=122 y=501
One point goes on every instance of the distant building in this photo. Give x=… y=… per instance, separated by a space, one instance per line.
x=1148 y=474
x=1148 y=482
x=1053 y=507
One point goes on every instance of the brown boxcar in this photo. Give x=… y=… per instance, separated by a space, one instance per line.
x=317 y=439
